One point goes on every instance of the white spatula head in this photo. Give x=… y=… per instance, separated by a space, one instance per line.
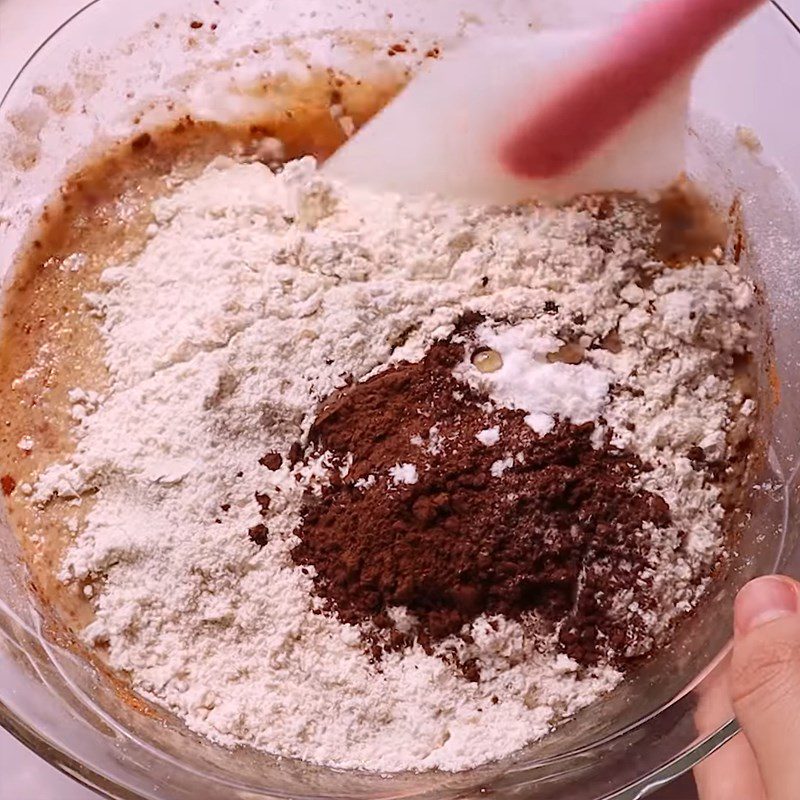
x=443 y=133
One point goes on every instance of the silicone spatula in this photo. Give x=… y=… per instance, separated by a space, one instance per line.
x=546 y=115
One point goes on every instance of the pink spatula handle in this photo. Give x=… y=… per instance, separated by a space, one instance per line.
x=652 y=47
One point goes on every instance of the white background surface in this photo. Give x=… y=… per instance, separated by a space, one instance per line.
x=23 y=776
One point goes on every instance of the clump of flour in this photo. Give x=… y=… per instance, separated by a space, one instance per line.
x=258 y=295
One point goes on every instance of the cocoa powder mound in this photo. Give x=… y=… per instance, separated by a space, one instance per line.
x=525 y=524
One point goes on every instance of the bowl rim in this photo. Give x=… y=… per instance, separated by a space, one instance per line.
x=27 y=734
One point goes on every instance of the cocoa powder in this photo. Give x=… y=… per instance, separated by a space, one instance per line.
x=555 y=533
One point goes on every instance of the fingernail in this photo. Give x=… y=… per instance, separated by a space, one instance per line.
x=764 y=600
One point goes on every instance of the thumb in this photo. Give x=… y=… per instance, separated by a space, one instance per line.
x=765 y=680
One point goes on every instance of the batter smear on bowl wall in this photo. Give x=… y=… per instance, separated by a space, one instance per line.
x=372 y=481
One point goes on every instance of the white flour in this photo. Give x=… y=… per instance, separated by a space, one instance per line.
x=255 y=297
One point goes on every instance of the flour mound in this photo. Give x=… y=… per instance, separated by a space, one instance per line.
x=255 y=298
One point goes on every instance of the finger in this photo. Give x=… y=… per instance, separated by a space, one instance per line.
x=731 y=773
x=765 y=680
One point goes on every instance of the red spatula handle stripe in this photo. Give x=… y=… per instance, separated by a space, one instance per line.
x=653 y=46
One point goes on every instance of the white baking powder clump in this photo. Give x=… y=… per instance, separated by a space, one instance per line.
x=574 y=392
x=403 y=473
x=256 y=296
x=489 y=437
x=500 y=466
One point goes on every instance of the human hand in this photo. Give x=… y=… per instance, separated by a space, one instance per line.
x=764 y=692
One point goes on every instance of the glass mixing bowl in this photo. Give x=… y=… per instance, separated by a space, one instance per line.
x=117 y=67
